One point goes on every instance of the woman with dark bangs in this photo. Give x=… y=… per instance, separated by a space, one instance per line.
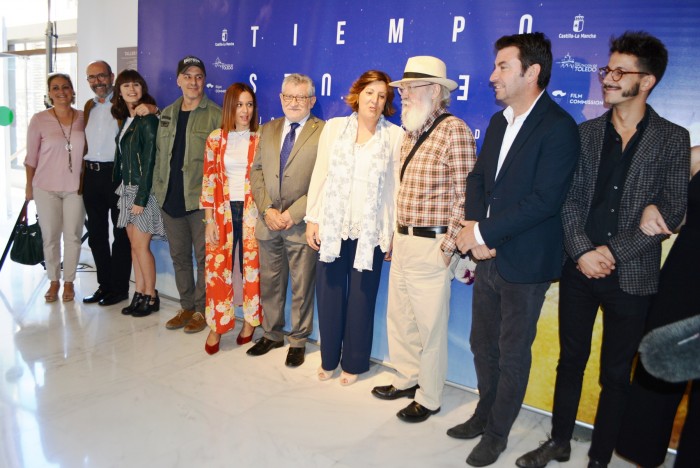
x=133 y=166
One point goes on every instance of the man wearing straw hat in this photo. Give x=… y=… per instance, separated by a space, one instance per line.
x=438 y=152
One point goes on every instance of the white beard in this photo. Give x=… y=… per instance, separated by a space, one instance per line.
x=414 y=118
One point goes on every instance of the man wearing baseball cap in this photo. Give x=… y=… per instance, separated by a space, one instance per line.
x=430 y=205
x=177 y=185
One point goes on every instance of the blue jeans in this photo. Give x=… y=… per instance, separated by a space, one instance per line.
x=237 y=217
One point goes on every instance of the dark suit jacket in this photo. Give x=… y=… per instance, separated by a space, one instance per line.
x=265 y=173
x=658 y=174
x=524 y=224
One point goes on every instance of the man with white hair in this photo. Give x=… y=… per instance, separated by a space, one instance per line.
x=438 y=152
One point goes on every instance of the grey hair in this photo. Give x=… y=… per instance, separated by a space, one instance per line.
x=299 y=79
x=444 y=96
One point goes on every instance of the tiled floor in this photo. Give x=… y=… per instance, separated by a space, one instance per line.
x=83 y=386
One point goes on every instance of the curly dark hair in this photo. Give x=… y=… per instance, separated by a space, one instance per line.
x=651 y=53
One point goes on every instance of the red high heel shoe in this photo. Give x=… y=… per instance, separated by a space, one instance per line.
x=212 y=349
x=241 y=340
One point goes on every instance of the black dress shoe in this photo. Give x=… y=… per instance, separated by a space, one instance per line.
x=593 y=463
x=263 y=346
x=415 y=412
x=389 y=392
x=474 y=427
x=97 y=296
x=135 y=301
x=113 y=298
x=487 y=451
x=295 y=357
x=548 y=451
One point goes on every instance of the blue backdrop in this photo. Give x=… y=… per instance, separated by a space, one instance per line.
x=335 y=41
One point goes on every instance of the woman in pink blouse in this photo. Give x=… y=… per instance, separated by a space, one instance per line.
x=55 y=144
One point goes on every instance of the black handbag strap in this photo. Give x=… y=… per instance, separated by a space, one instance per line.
x=23 y=214
x=424 y=136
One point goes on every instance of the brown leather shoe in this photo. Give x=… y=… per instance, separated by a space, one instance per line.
x=196 y=324
x=180 y=320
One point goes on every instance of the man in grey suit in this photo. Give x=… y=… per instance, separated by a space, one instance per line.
x=280 y=178
x=630 y=159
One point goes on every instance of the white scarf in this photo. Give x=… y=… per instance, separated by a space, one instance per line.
x=336 y=209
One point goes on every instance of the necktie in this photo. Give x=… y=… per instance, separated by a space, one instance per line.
x=287 y=146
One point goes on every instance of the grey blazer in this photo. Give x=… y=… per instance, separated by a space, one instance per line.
x=657 y=175
x=265 y=173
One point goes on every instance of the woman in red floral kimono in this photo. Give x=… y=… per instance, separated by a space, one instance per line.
x=230 y=216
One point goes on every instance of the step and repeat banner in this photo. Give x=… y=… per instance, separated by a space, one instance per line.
x=335 y=41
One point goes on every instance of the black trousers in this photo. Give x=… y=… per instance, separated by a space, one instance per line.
x=624 y=318
x=113 y=265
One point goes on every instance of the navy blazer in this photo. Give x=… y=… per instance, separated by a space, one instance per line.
x=524 y=223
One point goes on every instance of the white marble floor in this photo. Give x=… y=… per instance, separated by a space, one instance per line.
x=83 y=386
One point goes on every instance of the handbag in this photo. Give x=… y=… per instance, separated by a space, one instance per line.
x=28 y=245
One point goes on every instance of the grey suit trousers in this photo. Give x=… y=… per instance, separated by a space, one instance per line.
x=278 y=258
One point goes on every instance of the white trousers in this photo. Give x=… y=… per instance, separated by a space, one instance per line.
x=61 y=214
x=417 y=313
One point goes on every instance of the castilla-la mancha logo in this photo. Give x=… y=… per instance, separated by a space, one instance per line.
x=578 y=23
x=224 y=40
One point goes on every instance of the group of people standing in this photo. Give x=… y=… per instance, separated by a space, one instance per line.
x=325 y=203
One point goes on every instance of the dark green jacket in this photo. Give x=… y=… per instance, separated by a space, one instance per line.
x=136 y=156
x=203 y=119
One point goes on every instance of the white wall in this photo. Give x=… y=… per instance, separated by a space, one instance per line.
x=103 y=26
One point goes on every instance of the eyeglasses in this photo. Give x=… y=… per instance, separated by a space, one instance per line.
x=99 y=76
x=300 y=99
x=406 y=90
x=617 y=74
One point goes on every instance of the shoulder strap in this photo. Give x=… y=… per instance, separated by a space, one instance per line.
x=420 y=141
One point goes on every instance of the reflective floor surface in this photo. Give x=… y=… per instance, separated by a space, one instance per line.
x=84 y=386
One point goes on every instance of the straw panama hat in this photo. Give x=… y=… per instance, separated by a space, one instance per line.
x=426 y=68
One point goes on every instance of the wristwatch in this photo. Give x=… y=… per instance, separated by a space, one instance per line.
x=265 y=210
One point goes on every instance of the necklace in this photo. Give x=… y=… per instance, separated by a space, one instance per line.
x=69 y=145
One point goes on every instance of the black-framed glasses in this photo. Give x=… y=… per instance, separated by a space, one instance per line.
x=288 y=98
x=406 y=90
x=617 y=74
x=99 y=76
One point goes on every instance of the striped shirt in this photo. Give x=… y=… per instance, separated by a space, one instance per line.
x=432 y=190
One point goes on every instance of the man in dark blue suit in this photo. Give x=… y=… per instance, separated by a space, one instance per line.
x=513 y=228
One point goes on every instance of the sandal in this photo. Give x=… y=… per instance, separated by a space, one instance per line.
x=323 y=374
x=68 y=291
x=52 y=294
x=347 y=379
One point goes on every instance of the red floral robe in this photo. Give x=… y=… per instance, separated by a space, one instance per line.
x=218 y=264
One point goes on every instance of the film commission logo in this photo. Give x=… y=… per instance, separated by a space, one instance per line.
x=578 y=30
x=574 y=98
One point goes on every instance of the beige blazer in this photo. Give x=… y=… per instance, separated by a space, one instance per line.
x=265 y=176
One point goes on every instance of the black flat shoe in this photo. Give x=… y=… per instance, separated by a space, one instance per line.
x=415 y=412
x=263 y=346
x=389 y=392
x=113 y=298
x=295 y=357
x=135 y=301
x=97 y=296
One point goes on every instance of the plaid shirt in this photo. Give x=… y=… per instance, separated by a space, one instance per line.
x=432 y=190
